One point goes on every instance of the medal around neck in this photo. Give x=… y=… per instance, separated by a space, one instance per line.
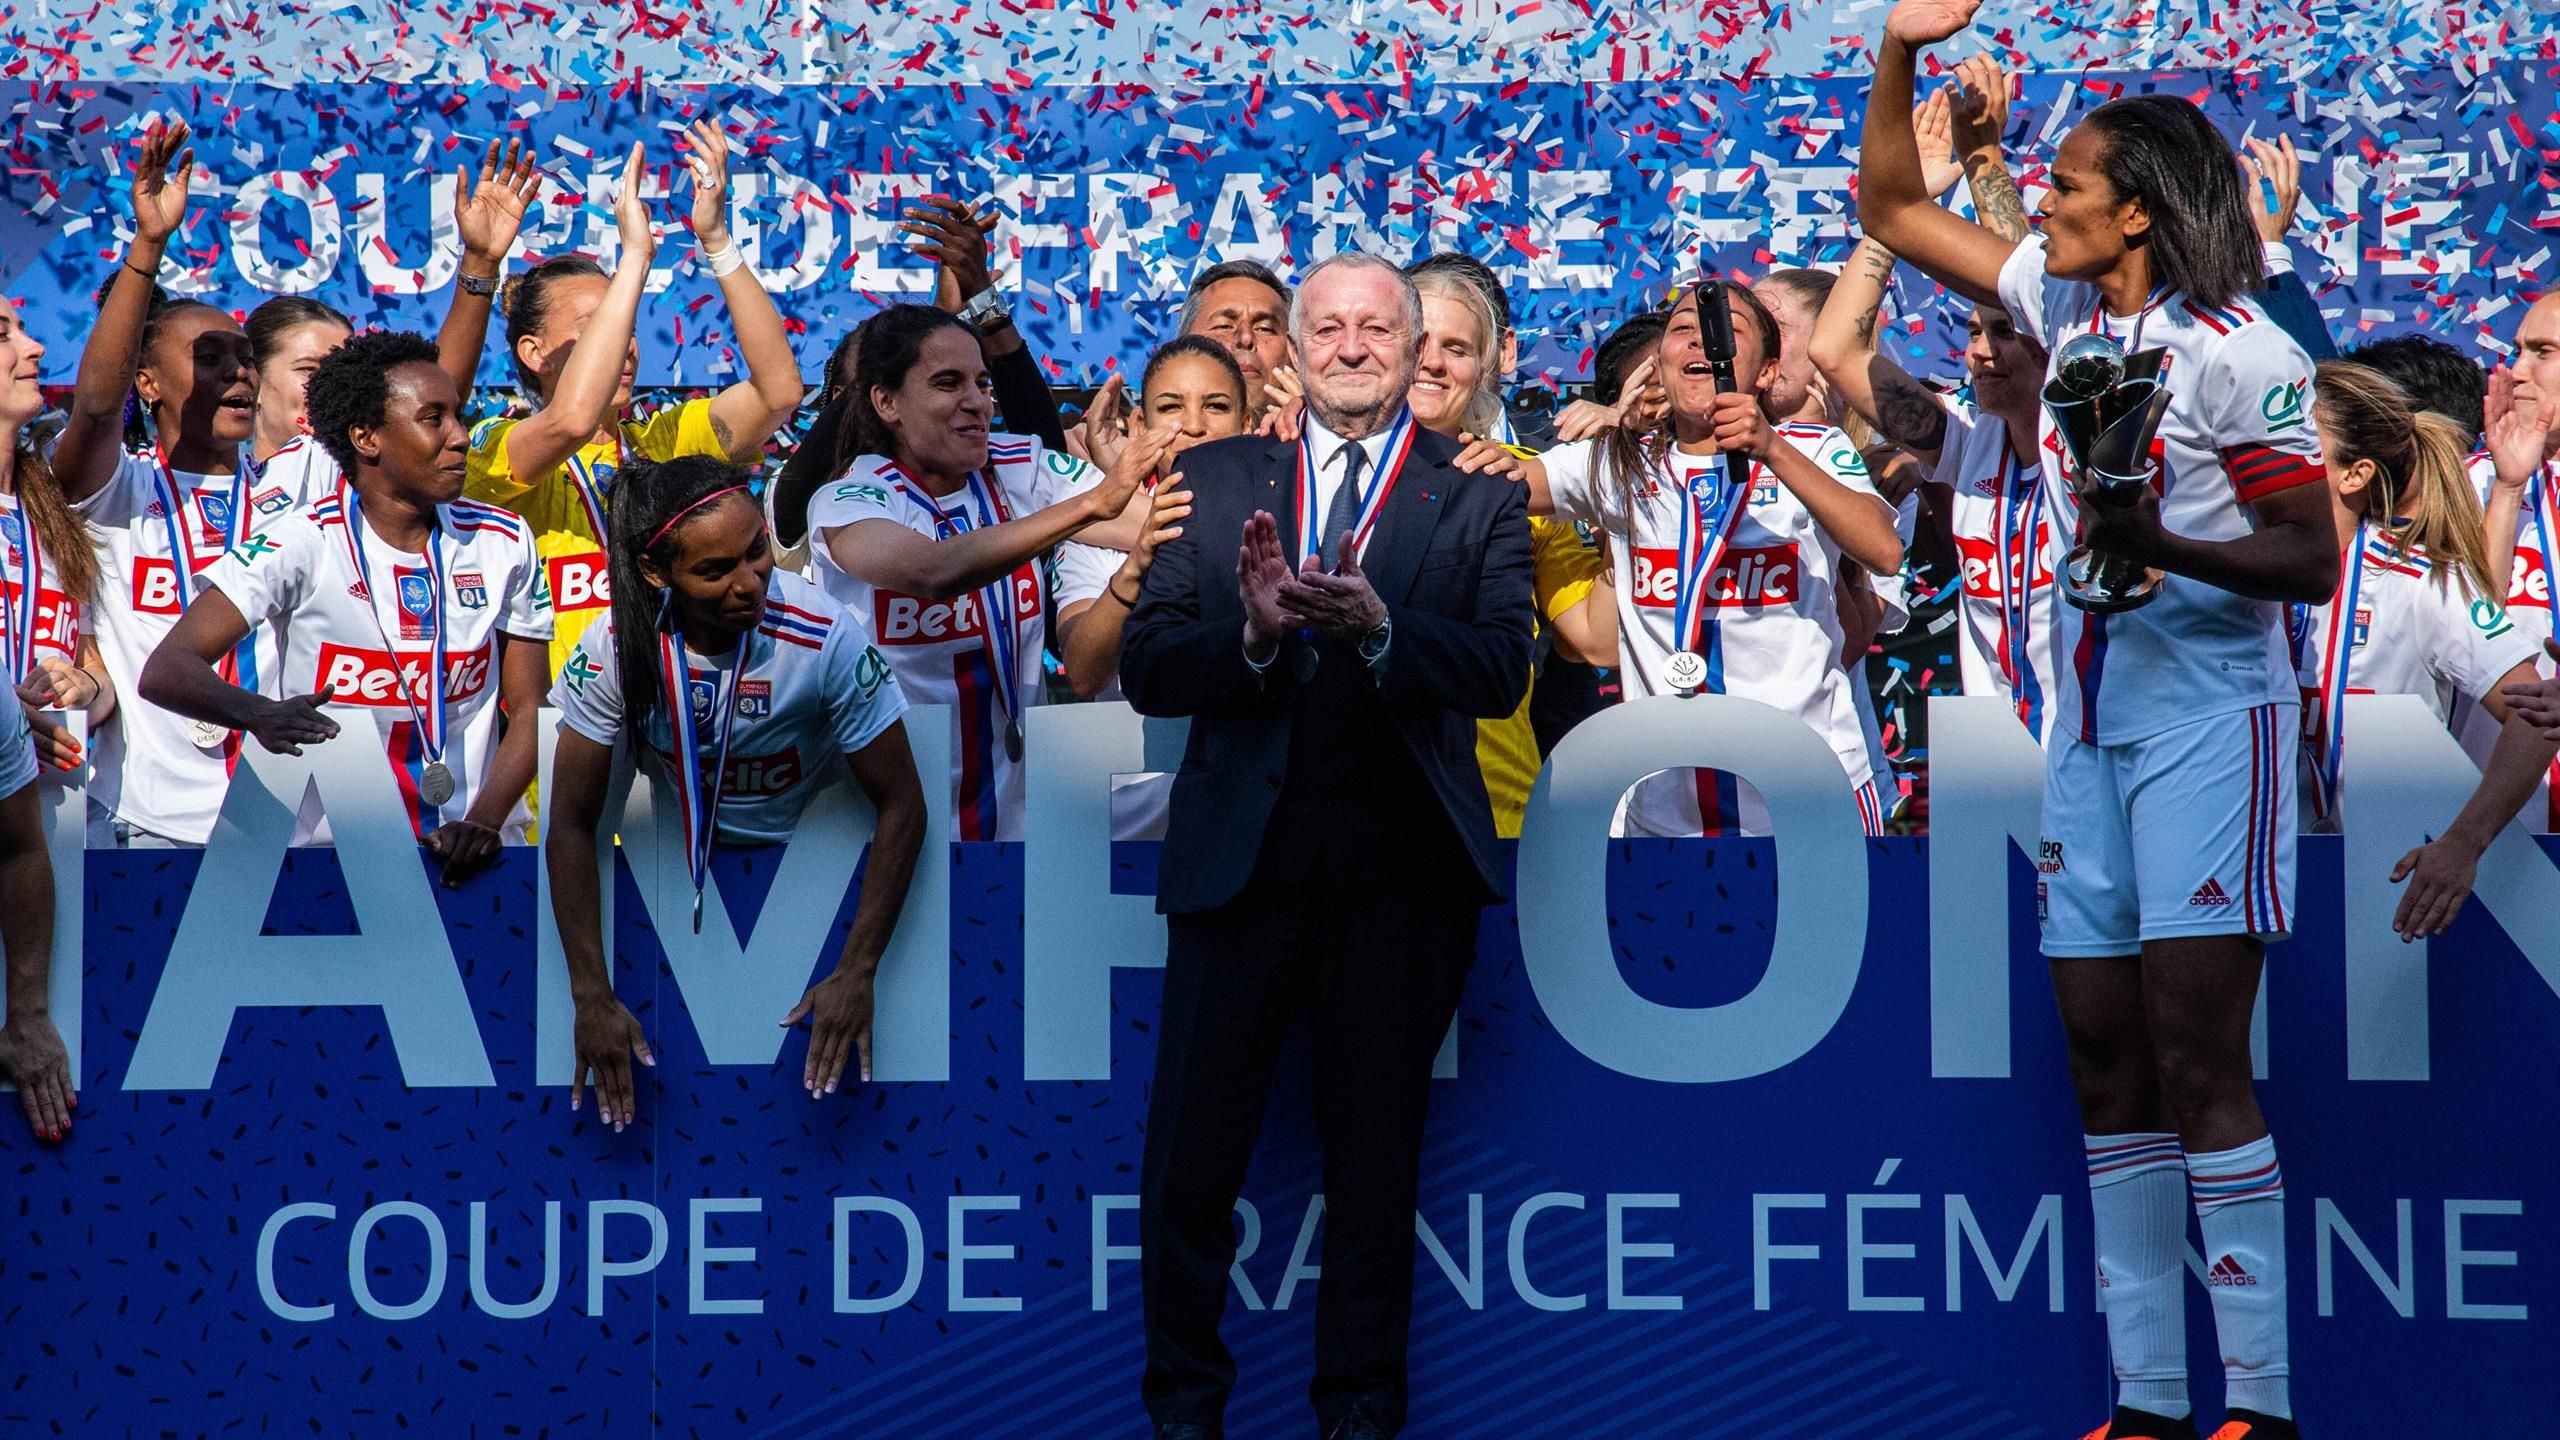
x=2106 y=406
x=1684 y=672
x=435 y=784
x=206 y=734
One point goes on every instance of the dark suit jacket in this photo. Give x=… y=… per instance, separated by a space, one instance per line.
x=1450 y=557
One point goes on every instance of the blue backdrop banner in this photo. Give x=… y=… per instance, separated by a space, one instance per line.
x=1848 y=1244
x=2430 y=197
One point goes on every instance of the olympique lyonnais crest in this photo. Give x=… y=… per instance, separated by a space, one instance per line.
x=755 y=699
x=470 y=591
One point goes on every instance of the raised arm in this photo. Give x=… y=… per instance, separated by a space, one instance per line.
x=85 y=456
x=1980 y=116
x=1901 y=409
x=955 y=235
x=488 y=214
x=1893 y=194
x=2519 y=427
x=1860 y=522
x=582 y=401
x=748 y=413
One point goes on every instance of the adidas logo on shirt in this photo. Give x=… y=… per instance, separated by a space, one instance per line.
x=2209 y=893
x=2229 y=1271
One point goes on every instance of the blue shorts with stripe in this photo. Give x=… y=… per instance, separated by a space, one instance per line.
x=2187 y=832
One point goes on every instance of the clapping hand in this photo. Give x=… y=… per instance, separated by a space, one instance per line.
x=1261 y=570
x=1341 y=604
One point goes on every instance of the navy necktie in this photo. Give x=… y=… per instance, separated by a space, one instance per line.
x=1344 y=512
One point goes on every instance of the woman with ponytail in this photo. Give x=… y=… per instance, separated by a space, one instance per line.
x=933 y=539
x=740 y=686
x=180 y=378
x=2417 y=612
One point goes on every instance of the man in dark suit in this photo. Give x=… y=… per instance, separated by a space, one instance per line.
x=1330 y=848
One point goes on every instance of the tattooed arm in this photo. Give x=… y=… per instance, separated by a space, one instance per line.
x=1981 y=117
x=1844 y=349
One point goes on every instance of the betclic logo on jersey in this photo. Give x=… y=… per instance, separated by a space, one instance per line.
x=356 y=676
x=1982 y=565
x=57 y=619
x=1753 y=576
x=578 y=582
x=911 y=620
x=2532 y=587
x=756 y=777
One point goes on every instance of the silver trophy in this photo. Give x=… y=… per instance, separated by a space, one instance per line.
x=2106 y=407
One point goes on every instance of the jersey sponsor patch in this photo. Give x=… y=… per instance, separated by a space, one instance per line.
x=2490 y=618
x=854 y=492
x=2531 y=587
x=2049 y=857
x=1982 y=564
x=578 y=582
x=1745 y=577
x=912 y=620
x=155 y=587
x=756 y=777
x=580 y=672
x=2281 y=406
x=354 y=675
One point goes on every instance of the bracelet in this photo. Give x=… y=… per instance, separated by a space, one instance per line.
x=476 y=284
x=1128 y=604
x=724 y=263
x=151 y=275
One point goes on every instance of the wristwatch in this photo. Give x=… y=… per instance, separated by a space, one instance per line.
x=986 y=311
x=477 y=284
x=1373 y=646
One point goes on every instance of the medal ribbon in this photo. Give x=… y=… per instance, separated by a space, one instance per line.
x=2021 y=507
x=1373 y=502
x=430 y=721
x=995 y=598
x=2539 y=501
x=2330 y=751
x=590 y=493
x=182 y=550
x=1710 y=504
x=698 y=802
x=25 y=614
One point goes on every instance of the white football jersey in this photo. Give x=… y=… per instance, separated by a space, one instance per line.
x=1772 y=630
x=806 y=689
x=372 y=646
x=2004 y=543
x=2238 y=430
x=2407 y=630
x=28 y=573
x=943 y=650
x=149 y=771
x=2529 y=605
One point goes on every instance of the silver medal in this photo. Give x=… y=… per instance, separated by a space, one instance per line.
x=1684 y=672
x=435 y=783
x=1012 y=740
x=206 y=734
